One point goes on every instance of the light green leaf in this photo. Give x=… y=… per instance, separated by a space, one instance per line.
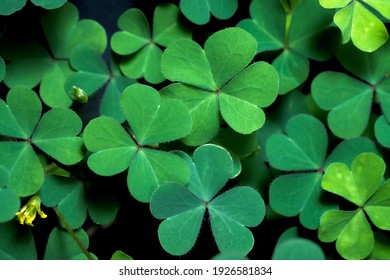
x=49 y=4
x=358 y=184
x=382 y=6
x=154 y=120
x=355 y=239
x=56 y=135
x=378 y=207
x=348 y=100
x=303 y=148
x=25 y=172
x=331 y=4
x=119 y=255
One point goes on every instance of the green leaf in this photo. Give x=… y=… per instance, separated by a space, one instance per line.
x=119 y=255
x=292 y=68
x=51 y=89
x=16 y=242
x=112 y=147
x=10 y=204
x=365 y=30
x=378 y=207
x=64 y=31
x=229 y=220
x=166 y=27
x=199 y=11
x=2 y=69
x=191 y=65
x=213 y=75
x=383 y=91
x=205 y=183
x=348 y=100
x=68 y=195
x=303 y=148
x=331 y=4
x=370 y=67
x=154 y=120
x=55 y=135
x=299 y=194
x=109 y=105
x=102 y=208
x=92 y=72
x=382 y=6
x=382 y=131
x=61 y=246
x=9 y=7
x=24 y=170
x=355 y=239
x=298 y=249
x=358 y=184
x=21 y=115
x=49 y=4
x=381 y=247
x=184 y=207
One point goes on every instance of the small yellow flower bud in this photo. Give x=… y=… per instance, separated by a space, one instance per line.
x=79 y=95
x=27 y=214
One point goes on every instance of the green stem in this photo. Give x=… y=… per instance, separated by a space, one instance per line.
x=72 y=234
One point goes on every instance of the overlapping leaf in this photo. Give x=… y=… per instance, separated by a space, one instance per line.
x=363 y=186
x=349 y=100
x=10 y=204
x=199 y=11
x=217 y=79
x=31 y=64
x=143 y=48
x=153 y=120
x=16 y=243
x=183 y=208
x=54 y=134
x=277 y=27
x=71 y=199
x=359 y=24
x=302 y=151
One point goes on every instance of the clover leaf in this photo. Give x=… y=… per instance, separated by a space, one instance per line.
x=73 y=201
x=302 y=150
x=61 y=246
x=359 y=24
x=16 y=243
x=9 y=7
x=217 y=79
x=10 y=204
x=348 y=99
x=143 y=48
x=152 y=120
x=199 y=11
x=291 y=246
x=54 y=134
x=32 y=64
x=183 y=208
x=363 y=186
x=382 y=131
x=283 y=27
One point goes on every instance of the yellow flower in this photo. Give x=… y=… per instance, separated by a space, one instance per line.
x=27 y=214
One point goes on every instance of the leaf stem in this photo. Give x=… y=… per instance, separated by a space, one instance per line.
x=72 y=234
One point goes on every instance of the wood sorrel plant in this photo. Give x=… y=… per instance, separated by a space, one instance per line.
x=215 y=129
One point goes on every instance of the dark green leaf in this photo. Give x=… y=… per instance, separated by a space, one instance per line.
x=10 y=204
x=16 y=242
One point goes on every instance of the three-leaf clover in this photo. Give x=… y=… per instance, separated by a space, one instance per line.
x=152 y=120
x=217 y=79
x=199 y=11
x=54 y=134
x=31 y=64
x=359 y=24
x=302 y=151
x=348 y=99
x=141 y=47
x=183 y=207
x=363 y=186
x=279 y=26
